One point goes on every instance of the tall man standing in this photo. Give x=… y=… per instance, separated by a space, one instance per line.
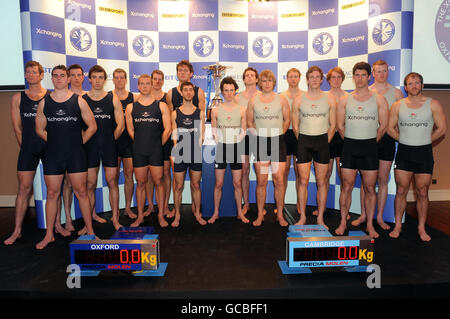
x=59 y=122
x=23 y=112
x=386 y=146
x=416 y=122
x=268 y=118
x=362 y=120
x=108 y=114
x=314 y=123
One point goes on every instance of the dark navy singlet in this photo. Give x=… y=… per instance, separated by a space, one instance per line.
x=64 y=125
x=124 y=139
x=148 y=128
x=177 y=99
x=28 y=107
x=188 y=127
x=103 y=139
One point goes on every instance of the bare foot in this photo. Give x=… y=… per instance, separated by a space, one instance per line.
x=200 y=219
x=176 y=222
x=315 y=213
x=396 y=232
x=149 y=210
x=82 y=231
x=321 y=222
x=69 y=227
x=244 y=209
x=282 y=221
x=98 y=219
x=116 y=223
x=258 y=221
x=61 y=230
x=130 y=214
x=423 y=235
x=341 y=229
x=372 y=232
x=302 y=220
x=382 y=224
x=47 y=240
x=358 y=221
x=169 y=213
x=213 y=218
x=138 y=221
x=162 y=221
x=243 y=218
x=12 y=239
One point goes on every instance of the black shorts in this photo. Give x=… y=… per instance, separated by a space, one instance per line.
x=270 y=148
x=75 y=162
x=182 y=167
x=336 y=145
x=124 y=150
x=154 y=159
x=313 y=148
x=29 y=160
x=291 y=142
x=229 y=154
x=386 y=148
x=360 y=154
x=416 y=159
x=107 y=155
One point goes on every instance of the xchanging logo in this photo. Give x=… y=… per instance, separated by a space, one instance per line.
x=80 y=38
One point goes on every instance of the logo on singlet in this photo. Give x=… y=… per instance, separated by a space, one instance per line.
x=80 y=38
x=203 y=46
x=360 y=109
x=143 y=45
x=98 y=110
x=442 y=29
x=383 y=32
x=413 y=116
x=323 y=43
x=60 y=112
x=262 y=47
x=187 y=121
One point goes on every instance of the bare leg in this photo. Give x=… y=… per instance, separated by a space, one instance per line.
x=422 y=183
x=195 y=177
x=141 y=174
x=79 y=185
x=92 y=185
x=362 y=218
x=347 y=183
x=402 y=180
x=178 y=186
x=220 y=174
x=149 y=190
x=323 y=182
x=113 y=186
x=128 y=188
x=237 y=178
x=278 y=169
x=304 y=170
x=157 y=174
x=25 y=180
x=262 y=171
x=67 y=199
x=327 y=180
x=53 y=183
x=370 y=200
x=383 y=179
x=245 y=182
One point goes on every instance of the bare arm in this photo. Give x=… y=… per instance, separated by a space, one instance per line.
x=286 y=113
x=88 y=119
x=296 y=115
x=201 y=100
x=15 y=117
x=169 y=100
x=214 y=124
x=383 y=115
x=41 y=121
x=166 y=122
x=332 y=117
x=129 y=120
x=118 y=116
x=174 y=127
x=340 y=115
x=243 y=124
x=250 y=119
x=440 y=121
x=202 y=132
x=392 y=128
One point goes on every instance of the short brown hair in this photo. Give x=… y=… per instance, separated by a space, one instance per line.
x=312 y=69
x=186 y=63
x=119 y=70
x=60 y=67
x=293 y=70
x=97 y=69
x=250 y=69
x=413 y=75
x=184 y=84
x=143 y=76
x=267 y=74
x=337 y=70
x=31 y=64
x=158 y=72
x=379 y=62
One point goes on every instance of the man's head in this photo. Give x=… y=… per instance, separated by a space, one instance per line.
x=76 y=75
x=413 y=83
x=60 y=77
x=314 y=77
x=228 y=87
x=34 y=72
x=119 y=78
x=157 y=79
x=267 y=81
x=335 y=77
x=361 y=74
x=380 y=71
x=97 y=77
x=145 y=84
x=187 y=91
x=185 y=70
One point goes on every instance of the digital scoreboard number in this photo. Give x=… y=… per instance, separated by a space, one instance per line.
x=134 y=255
x=330 y=251
x=313 y=247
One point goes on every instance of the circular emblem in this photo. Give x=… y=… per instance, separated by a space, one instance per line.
x=262 y=47
x=143 y=45
x=383 y=31
x=80 y=38
x=442 y=29
x=323 y=43
x=203 y=46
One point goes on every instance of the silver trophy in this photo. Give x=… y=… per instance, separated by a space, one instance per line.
x=217 y=71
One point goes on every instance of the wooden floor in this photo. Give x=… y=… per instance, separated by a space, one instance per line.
x=438 y=216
